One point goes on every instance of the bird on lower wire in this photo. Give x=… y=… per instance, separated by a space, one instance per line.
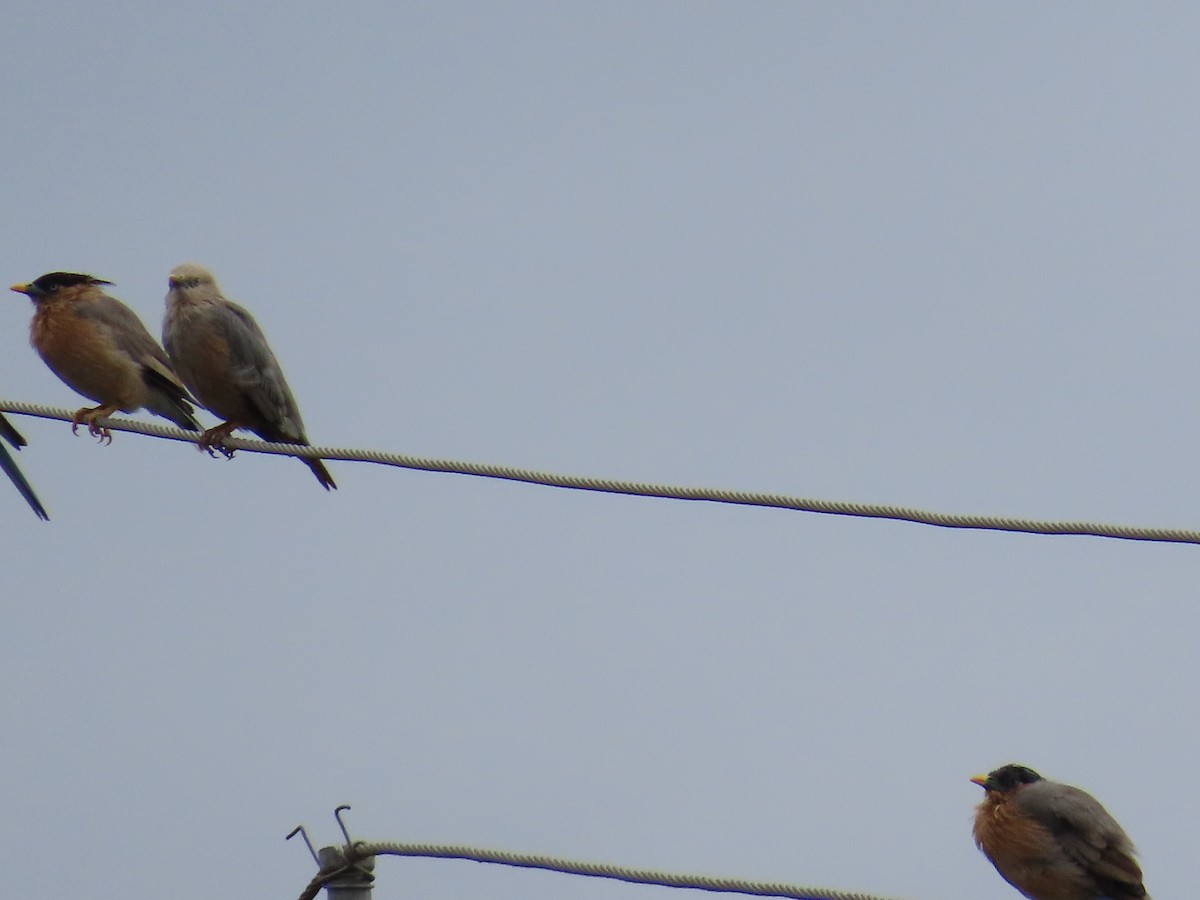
x=1052 y=841
x=9 y=465
x=100 y=348
x=223 y=357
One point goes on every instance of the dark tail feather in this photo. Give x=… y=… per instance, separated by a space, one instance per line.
x=10 y=434
x=322 y=473
x=9 y=465
x=274 y=435
x=183 y=417
x=167 y=400
x=176 y=410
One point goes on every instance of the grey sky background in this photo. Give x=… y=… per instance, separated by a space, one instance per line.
x=932 y=254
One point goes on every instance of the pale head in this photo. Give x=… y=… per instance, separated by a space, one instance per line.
x=190 y=276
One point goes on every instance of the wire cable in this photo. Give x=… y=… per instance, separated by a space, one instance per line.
x=360 y=850
x=642 y=489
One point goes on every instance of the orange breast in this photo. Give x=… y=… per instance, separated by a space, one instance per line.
x=1026 y=854
x=82 y=355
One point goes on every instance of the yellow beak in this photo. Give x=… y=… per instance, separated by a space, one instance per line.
x=980 y=780
x=20 y=288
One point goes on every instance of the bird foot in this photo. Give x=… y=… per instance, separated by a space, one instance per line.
x=213 y=439
x=88 y=417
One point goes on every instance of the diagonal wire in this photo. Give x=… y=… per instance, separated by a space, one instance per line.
x=643 y=489
x=360 y=850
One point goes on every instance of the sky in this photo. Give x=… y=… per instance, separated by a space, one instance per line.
x=929 y=254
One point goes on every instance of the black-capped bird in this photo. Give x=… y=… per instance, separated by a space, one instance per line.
x=100 y=348
x=1052 y=841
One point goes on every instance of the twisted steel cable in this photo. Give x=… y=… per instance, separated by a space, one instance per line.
x=360 y=850
x=643 y=489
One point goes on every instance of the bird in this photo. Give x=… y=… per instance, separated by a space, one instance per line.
x=1052 y=841
x=223 y=357
x=99 y=347
x=9 y=465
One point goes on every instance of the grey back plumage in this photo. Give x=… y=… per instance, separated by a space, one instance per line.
x=1091 y=838
x=258 y=371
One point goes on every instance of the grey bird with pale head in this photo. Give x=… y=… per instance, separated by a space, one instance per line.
x=223 y=357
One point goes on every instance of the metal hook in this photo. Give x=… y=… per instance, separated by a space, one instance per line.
x=299 y=830
x=337 y=814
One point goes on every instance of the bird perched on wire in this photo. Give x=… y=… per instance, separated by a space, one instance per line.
x=100 y=348
x=223 y=357
x=1052 y=841
x=9 y=465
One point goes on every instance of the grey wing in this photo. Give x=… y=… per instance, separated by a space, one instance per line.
x=257 y=372
x=168 y=397
x=125 y=328
x=1087 y=833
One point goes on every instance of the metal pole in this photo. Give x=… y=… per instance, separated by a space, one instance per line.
x=353 y=884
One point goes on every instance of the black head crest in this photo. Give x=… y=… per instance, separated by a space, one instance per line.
x=1006 y=778
x=43 y=287
x=52 y=281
